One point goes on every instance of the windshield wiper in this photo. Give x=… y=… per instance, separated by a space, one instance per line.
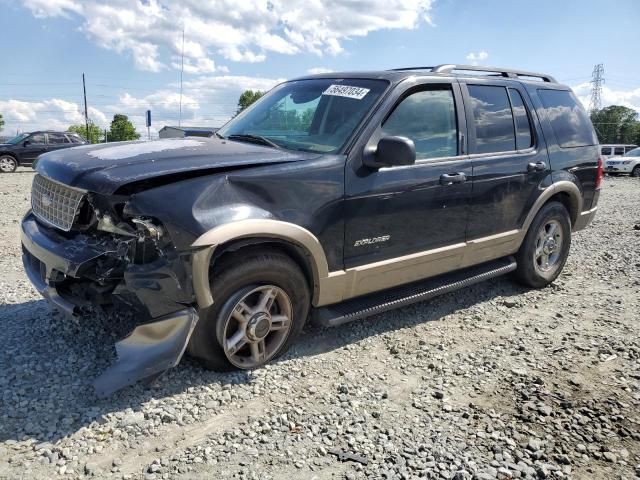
x=253 y=138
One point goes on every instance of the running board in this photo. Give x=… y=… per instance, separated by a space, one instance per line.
x=379 y=302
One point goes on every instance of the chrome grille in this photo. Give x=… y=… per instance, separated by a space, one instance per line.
x=54 y=203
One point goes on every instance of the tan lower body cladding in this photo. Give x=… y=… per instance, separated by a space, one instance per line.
x=353 y=282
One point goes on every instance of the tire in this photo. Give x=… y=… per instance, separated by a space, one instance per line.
x=8 y=164
x=223 y=342
x=543 y=254
x=636 y=171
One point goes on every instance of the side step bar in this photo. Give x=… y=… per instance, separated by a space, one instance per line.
x=379 y=302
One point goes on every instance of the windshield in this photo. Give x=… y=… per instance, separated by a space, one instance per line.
x=633 y=153
x=18 y=139
x=310 y=115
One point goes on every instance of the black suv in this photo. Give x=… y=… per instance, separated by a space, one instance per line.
x=334 y=197
x=26 y=147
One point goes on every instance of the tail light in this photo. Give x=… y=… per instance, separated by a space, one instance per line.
x=599 y=174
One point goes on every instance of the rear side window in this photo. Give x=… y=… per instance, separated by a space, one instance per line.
x=618 y=151
x=492 y=118
x=57 y=138
x=524 y=136
x=605 y=150
x=429 y=119
x=628 y=148
x=569 y=121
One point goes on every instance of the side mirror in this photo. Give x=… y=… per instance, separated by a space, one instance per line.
x=391 y=152
x=26 y=143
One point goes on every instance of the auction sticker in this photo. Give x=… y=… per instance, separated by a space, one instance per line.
x=346 y=91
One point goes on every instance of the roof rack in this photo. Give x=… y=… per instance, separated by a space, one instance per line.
x=508 y=73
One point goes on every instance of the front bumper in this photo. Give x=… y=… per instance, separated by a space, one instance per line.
x=160 y=291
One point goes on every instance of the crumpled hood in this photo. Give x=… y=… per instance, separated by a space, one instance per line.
x=106 y=167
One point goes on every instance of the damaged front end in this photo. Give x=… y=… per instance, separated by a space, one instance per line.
x=102 y=257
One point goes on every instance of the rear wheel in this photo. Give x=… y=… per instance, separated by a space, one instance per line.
x=545 y=248
x=636 y=171
x=261 y=302
x=8 y=164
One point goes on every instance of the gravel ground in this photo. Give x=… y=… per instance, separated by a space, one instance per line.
x=495 y=381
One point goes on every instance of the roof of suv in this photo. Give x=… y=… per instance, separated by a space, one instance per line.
x=447 y=70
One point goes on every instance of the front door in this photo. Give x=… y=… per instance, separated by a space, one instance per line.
x=394 y=212
x=34 y=145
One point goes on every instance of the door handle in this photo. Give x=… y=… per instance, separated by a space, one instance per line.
x=536 y=167
x=451 y=178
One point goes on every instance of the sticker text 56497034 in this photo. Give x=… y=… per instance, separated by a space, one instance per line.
x=346 y=91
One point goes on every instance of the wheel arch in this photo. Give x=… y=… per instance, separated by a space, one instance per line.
x=565 y=192
x=10 y=154
x=304 y=248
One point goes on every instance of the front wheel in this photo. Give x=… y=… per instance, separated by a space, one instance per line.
x=545 y=248
x=8 y=164
x=636 y=171
x=261 y=302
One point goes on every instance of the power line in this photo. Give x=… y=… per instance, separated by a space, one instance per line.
x=597 y=80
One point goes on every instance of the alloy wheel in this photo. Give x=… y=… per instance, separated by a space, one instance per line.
x=257 y=327
x=548 y=251
x=7 y=164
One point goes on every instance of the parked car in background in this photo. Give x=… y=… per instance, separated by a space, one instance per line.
x=628 y=163
x=23 y=149
x=617 y=150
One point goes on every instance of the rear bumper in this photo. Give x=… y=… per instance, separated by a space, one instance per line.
x=584 y=219
x=161 y=290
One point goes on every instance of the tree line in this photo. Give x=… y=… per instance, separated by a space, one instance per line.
x=617 y=124
x=120 y=130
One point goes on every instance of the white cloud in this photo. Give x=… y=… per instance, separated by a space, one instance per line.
x=609 y=96
x=477 y=58
x=317 y=70
x=244 y=31
x=54 y=113
x=206 y=101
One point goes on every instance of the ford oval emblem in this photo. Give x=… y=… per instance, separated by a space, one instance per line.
x=46 y=200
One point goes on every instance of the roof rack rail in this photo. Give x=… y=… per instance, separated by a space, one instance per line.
x=508 y=73
x=404 y=69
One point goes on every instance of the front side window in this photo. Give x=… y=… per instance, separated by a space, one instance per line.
x=57 y=138
x=628 y=148
x=493 y=119
x=317 y=115
x=618 y=151
x=429 y=119
x=568 y=119
x=36 y=138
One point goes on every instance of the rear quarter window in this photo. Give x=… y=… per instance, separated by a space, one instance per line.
x=568 y=119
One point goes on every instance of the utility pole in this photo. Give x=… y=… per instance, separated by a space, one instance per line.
x=86 y=117
x=597 y=80
x=181 y=70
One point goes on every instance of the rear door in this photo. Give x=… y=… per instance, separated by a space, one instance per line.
x=396 y=211
x=508 y=156
x=56 y=141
